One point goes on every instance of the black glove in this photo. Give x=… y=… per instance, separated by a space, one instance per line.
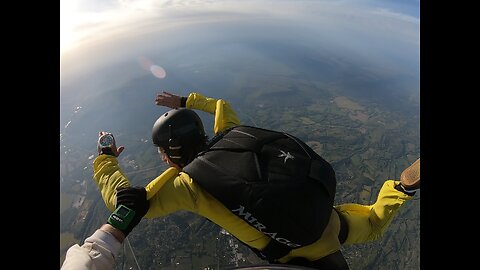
x=134 y=198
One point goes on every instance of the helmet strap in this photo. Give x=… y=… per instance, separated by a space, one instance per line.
x=174 y=146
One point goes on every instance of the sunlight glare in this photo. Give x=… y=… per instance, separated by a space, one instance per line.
x=68 y=20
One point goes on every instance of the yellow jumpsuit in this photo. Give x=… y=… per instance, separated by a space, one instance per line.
x=180 y=192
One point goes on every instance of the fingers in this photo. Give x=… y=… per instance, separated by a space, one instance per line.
x=120 y=150
x=159 y=99
x=103 y=133
x=165 y=94
x=167 y=99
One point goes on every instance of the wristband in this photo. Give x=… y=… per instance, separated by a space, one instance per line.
x=121 y=217
x=107 y=151
x=183 y=102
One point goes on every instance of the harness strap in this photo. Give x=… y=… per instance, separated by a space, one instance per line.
x=335 y=261
x=320 y=170
x=273 y=251
x=240 y=139
x=342 y=235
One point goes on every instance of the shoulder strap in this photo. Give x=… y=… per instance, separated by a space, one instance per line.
x=244 y=138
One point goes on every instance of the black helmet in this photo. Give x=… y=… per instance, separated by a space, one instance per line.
x=180 y=133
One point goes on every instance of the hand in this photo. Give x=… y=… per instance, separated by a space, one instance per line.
x=168 y=100
x=134 y=198
x=113 y=150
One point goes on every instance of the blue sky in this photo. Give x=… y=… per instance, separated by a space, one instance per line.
x=81 y=19
x=95 y=34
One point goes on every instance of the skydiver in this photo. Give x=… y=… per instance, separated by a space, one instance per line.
x=347 y=224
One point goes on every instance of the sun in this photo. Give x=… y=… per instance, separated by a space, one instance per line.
x=69 y=20
x=80 y=20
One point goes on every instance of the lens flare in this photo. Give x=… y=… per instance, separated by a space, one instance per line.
x=156 y=70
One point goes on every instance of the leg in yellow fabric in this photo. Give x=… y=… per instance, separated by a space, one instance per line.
x=369 y=222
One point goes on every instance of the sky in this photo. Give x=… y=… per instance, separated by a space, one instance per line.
x=94 y=34
x=83 y=20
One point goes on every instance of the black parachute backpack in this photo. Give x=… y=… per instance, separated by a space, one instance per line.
x=273 y=181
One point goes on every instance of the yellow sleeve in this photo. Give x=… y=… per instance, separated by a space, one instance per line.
x=173 y=191
x=225 y=116
x=108 y=176
x=168 y=193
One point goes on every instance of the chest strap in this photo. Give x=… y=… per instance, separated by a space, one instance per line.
x=273 y=251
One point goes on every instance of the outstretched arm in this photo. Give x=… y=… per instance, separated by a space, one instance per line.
x=106 y=172
x=225 y=116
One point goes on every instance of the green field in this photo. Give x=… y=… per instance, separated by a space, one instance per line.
x=67 y=239
x=66 y=201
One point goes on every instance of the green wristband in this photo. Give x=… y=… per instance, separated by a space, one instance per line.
x=121 y=217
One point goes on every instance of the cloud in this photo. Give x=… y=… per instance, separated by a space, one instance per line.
x=355 y=29
x=396 y=15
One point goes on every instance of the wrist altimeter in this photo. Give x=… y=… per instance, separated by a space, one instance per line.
x=121 y=217
x=105 y=143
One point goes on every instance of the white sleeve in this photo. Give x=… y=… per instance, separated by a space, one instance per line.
x=97 y=253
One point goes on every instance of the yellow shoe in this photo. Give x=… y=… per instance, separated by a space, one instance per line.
x=410 y=177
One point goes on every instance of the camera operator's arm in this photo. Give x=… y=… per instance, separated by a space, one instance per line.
x=99 y=250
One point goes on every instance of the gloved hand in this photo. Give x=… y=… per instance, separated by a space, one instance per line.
x=106 y=144
x=135 y=199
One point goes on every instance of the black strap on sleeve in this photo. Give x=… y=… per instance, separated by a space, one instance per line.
x=274 y=251
x=342 y=235
x=107 y=151
x=334 y=261
x=183 y=102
